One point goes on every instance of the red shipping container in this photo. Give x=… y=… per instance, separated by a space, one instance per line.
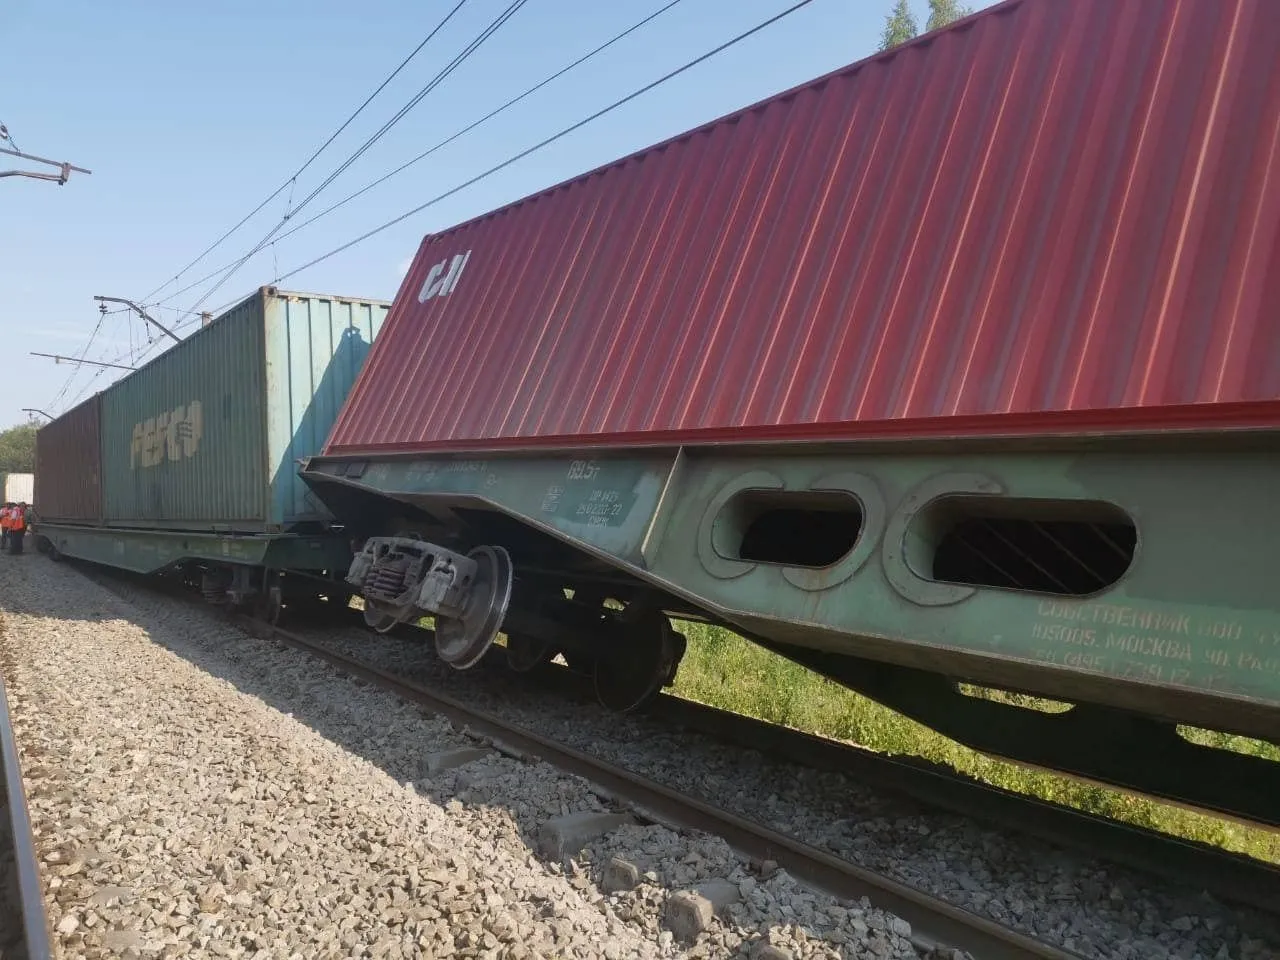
x=69 y=465
x=1054 y=215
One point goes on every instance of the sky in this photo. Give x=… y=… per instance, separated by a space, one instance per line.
x=190 y=115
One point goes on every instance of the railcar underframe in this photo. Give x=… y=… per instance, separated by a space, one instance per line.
x=261 y=572
x=1128 y=578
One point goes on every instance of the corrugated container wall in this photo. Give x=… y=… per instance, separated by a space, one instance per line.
x=1054 y=205
x=208 y=434
x=315 y=349
x=19 y=487
x=68 y=483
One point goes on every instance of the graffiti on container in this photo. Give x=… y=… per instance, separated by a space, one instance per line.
x=170 y=437
x=443 y=277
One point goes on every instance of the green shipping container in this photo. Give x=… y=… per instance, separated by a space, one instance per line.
x=208 y=435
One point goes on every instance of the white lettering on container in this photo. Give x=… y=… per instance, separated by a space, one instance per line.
x=443 y=277
x=172 y=436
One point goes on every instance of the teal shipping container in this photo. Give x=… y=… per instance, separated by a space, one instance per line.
x=208 y=435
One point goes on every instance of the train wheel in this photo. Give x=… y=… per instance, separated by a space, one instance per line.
x=525 y=653
x=631 y=671
x=461 y=642
x=272 y=606
x=580 y=663
x=377 y=620
x=270 y=602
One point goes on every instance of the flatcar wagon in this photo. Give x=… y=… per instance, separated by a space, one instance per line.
x=191 y=462
x=957 y=366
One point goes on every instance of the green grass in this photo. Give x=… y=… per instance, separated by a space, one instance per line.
x=723 y=670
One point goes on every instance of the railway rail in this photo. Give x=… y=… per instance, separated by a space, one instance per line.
x=24 y=927
x=935 y=923
x=1226 y=876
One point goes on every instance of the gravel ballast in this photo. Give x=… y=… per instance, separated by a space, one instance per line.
x=1083 y=904
x=198 y=792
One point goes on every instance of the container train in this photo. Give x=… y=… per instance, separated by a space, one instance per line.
x=958 y=367
x=192 y=460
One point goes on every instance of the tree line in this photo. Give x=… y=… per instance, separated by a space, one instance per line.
x=901 y=25
x=18 y=449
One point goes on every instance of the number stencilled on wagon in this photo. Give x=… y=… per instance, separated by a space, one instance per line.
x=169 y=437
x=601 y=508
x=583 y=470
x=465 y=466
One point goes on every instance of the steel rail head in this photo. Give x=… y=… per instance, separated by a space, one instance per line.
x=934 y=922
x=1233 y=877
x=35 y=923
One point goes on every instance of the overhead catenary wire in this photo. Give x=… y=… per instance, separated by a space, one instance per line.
x=129 y=321
x=6 y=135
x=443 y=143
x=136 y=358
x=102 y=315
x=546 y=142
x=319 y=150
x=85 y=389
x=471 y=48
x=287 y=184
x=475 y=44
x=715 y=51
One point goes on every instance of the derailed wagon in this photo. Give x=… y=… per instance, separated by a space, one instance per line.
x=191 y=462
x=957 y=366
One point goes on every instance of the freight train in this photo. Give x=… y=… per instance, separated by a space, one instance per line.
x=957 y=368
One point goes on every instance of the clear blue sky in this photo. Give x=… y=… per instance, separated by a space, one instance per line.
x=190 y=114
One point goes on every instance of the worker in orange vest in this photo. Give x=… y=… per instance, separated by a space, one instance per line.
x=17 y=527
x=5 y=512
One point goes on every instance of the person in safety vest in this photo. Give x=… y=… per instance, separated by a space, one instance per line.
x=17 y=527
x=5 y=511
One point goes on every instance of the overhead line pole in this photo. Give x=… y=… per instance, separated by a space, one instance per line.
x=142 y=313
x=39 y=411
x=60 y=178
x=58 y=358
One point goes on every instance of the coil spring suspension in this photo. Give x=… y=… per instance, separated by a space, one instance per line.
x=213 y=589
x=388 y=577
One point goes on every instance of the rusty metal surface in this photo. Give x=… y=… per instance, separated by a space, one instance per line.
x=68 y=483
x=1050 y=207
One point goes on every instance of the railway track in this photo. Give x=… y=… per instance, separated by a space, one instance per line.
x=936 y=924
x=24 y=928
x=934 y=920
x=1227 y=876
